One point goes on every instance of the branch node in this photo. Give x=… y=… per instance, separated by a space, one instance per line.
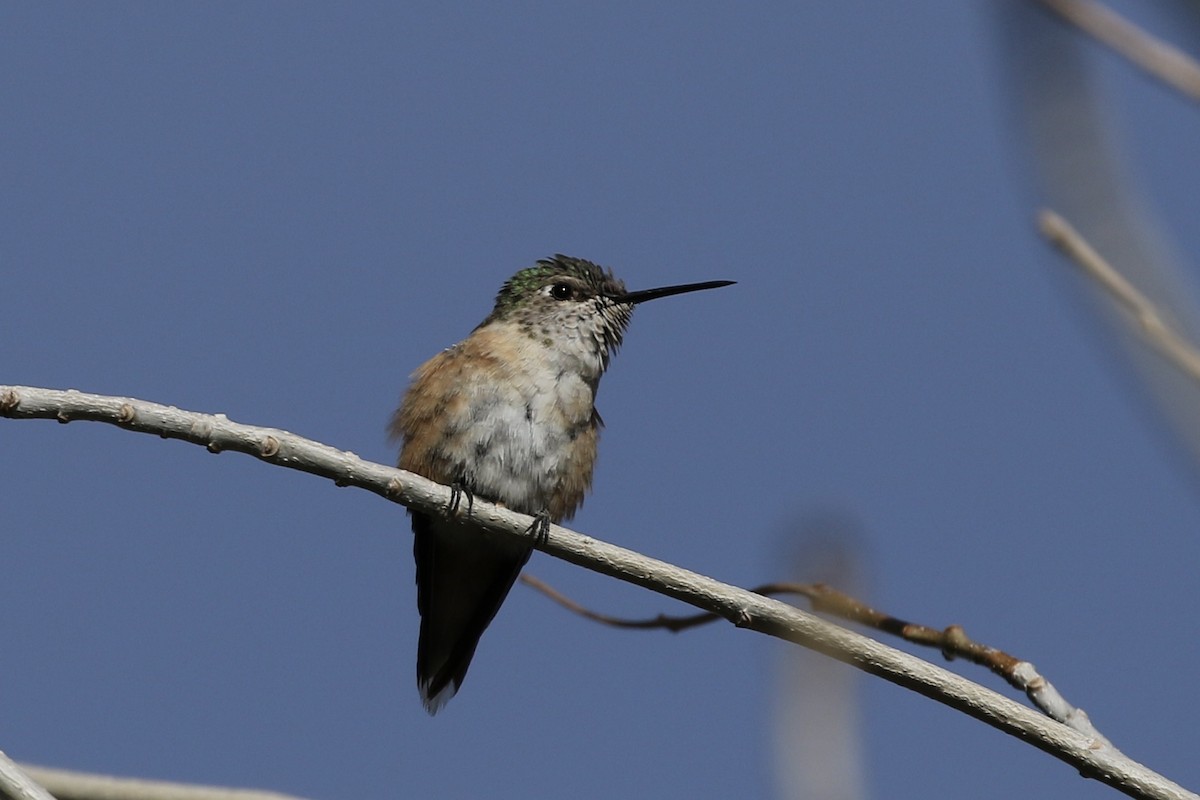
x=348 y=479
x=741 y=618
x=394 y=488
x=9 y=401
x=126 y=414
x=213 y=448
x=954 y=641
x=269 y=447
x=62 y=416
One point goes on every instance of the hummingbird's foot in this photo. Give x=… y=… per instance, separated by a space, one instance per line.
x=540 y=529
x=458 y=489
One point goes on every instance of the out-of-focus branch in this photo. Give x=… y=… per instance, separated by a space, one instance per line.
x=1150 y=323
x=1154 y=56
x=1081 y=170
x=952 y=641
x=1092 y=757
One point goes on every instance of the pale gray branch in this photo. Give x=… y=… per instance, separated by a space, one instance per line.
x=16 y=784
x=71 y=785
x=1094 y=757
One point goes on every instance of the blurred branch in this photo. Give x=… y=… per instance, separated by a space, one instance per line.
x=1150 y=323
x=70 y=785
x=1154 y=56
x=953 y=641
x=1093 y=757
x=1081 y=170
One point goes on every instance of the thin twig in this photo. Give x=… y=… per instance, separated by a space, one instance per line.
x=952 y=641
x=1154 y=56
x=1150 y=323
x=1093 y=757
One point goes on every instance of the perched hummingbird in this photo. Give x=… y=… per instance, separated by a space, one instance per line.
x=508 y=414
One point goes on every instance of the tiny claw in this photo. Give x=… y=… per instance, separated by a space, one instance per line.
x=457 y=490
x=540 y=529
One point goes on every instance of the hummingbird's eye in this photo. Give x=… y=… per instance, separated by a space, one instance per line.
x=561 y=291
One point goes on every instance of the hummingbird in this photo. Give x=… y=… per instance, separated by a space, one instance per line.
x=509 y=415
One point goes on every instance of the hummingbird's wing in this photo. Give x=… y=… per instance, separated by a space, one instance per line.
x=463 y=576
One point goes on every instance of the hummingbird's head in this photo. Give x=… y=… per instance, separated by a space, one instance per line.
x=563 y=300
x=572 y=304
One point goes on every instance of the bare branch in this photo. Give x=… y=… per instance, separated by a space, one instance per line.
x=952 y=641
x=1150 y=323
x=70 y=785
x=15 y=784
x=1154 y=56
x=1093 y=757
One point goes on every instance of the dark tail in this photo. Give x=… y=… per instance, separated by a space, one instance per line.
x=463 y=576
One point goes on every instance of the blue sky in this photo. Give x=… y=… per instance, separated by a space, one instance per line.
x=277 y=211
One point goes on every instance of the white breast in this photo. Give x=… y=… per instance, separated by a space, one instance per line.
x=519 y=430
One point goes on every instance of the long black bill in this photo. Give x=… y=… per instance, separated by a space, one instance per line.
x=633 y=298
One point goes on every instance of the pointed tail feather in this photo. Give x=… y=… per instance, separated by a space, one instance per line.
x=463 y=576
